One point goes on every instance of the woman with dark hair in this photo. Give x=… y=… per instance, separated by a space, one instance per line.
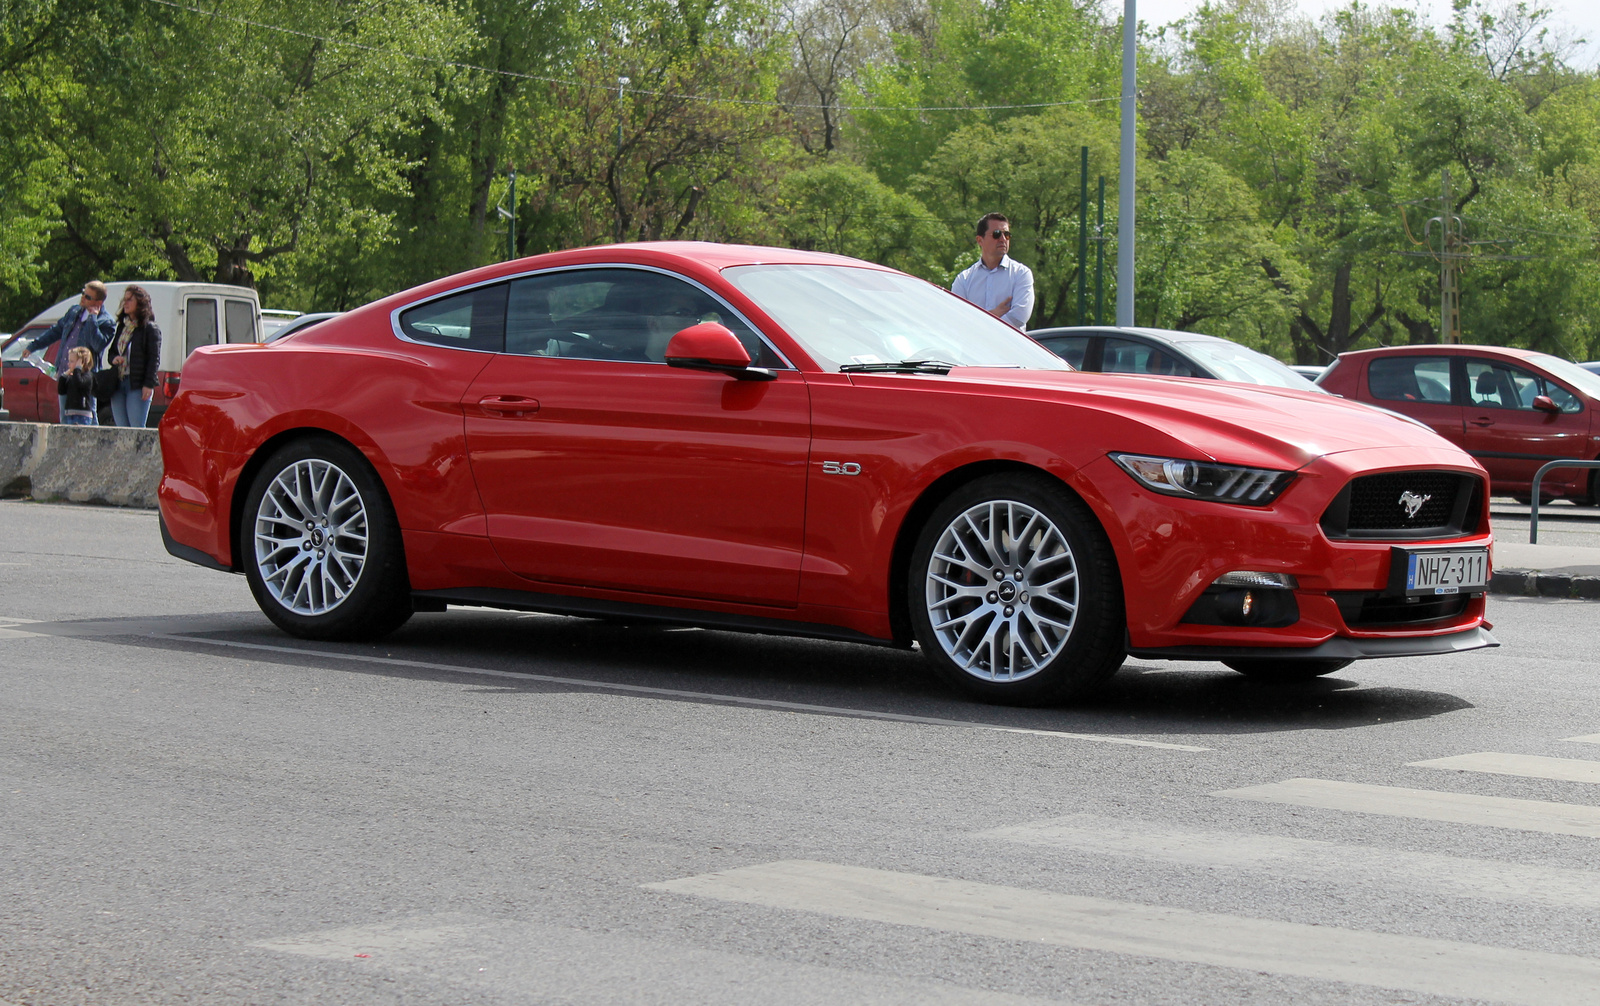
x=136 y=353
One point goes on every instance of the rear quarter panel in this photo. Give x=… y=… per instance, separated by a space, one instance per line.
x=398 y=404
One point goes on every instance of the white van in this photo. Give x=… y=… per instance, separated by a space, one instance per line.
x=190 y=315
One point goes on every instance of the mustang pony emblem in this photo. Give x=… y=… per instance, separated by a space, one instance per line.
x=1412 y=502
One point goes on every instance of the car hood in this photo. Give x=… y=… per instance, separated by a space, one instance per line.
x=1238 y=423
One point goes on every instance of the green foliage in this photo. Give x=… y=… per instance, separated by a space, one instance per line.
x=1290 y=175
x=842 y=208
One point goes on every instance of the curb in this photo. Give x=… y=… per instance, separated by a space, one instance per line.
x=1535 y=583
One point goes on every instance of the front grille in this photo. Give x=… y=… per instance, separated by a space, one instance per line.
x=1375 y=506
x=1368 y=608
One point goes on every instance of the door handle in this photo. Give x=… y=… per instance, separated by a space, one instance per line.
x=509 y=405
x=1481 y=421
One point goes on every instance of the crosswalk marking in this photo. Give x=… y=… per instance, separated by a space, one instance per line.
x=490 y=960
x=1527 y=766
x=1428 y=805
x=1313 y=860
x=1386 y=960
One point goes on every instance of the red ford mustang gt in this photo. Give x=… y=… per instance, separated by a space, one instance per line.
x=790 y=442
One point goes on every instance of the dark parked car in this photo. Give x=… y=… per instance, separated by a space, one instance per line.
x=1168 y=354
x=1512 y=409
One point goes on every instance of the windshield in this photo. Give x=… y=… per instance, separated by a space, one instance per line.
x=843 y=316
x=1586 y=381
x=1232 y=362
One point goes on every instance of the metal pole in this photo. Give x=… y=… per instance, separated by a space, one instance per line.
x=1100 y=257
x=622 y=83
x=1083 y=237
x=511 y=229
x=1130 y=83
x=1449 y=274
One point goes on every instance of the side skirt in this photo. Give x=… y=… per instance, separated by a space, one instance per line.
x=560 y=604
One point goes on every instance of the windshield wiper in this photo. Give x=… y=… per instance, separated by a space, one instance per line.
x=902 y=367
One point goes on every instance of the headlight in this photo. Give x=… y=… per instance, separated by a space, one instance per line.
x=1205 y=479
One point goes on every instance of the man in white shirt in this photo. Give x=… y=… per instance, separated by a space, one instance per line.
x=995 y=282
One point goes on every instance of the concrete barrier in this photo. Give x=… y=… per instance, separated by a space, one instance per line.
x=80 y=464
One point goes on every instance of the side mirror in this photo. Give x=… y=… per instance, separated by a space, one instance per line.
x=1544 y=403
x=710 y=346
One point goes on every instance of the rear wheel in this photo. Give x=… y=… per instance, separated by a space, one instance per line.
x=321 y=545
x=1280 y=669
x=1014 y=593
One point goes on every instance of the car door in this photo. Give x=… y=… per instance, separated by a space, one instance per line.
x=23 y=381
x=601 y=466
x=1510 y=437
x=1422 y=387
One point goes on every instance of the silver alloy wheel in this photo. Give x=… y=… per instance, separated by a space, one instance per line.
x=1002 y=591
x=311 y=537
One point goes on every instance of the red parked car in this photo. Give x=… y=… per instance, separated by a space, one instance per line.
x=1512 y=409
x=780 y=441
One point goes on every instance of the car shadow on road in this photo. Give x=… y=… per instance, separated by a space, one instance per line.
x=1144 y=698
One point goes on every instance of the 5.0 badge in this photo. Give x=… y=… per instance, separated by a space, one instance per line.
x=841 y=468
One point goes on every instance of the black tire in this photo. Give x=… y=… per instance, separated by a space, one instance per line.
x=335 y=569
x=1286 y=669
x=1036 y=636
x=1594 y=488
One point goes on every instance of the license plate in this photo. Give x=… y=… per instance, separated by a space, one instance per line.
x=1449 y=572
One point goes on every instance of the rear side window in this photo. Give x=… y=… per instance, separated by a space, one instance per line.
x=473 y=319
x=199 y=323
x=1410 y=379
x=240 y=316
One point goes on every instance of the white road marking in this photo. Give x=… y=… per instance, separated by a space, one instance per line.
x=1586 y=739
x=675 y=693
x=1428 y=805
x=1526 y=766
x=1386 y=960
x=549 y=963
x=1313 y=860
x=7 y=633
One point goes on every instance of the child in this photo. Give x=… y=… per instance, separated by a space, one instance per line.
x=77 y=388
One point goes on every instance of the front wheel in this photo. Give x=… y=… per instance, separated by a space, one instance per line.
x=1274 y=669
x=321 y=545
x=1014 y=593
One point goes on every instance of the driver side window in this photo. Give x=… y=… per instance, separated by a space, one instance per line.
x=613 y=314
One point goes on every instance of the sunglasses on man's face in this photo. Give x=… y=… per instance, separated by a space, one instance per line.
x=998 y=235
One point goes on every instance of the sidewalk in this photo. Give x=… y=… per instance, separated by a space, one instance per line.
x=1546 y=570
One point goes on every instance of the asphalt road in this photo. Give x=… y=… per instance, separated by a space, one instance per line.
x=497 y=808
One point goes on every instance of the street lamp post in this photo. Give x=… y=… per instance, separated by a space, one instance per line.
x=1130 y=83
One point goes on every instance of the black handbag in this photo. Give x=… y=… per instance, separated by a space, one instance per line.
x=106 y=382
x=108 y=377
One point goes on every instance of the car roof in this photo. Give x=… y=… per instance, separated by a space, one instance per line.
x=1438 y=348
x=1162 y=334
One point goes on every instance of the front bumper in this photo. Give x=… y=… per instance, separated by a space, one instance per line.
x=1170 y=550
x=1338 y=648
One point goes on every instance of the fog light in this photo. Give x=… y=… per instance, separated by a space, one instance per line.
x=1243 y=597
x=1254 y=578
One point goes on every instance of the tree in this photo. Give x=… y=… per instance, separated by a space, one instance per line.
x=208 y=146
x=682 y=150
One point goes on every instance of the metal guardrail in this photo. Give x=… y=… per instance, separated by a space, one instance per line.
x=1538 y=477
